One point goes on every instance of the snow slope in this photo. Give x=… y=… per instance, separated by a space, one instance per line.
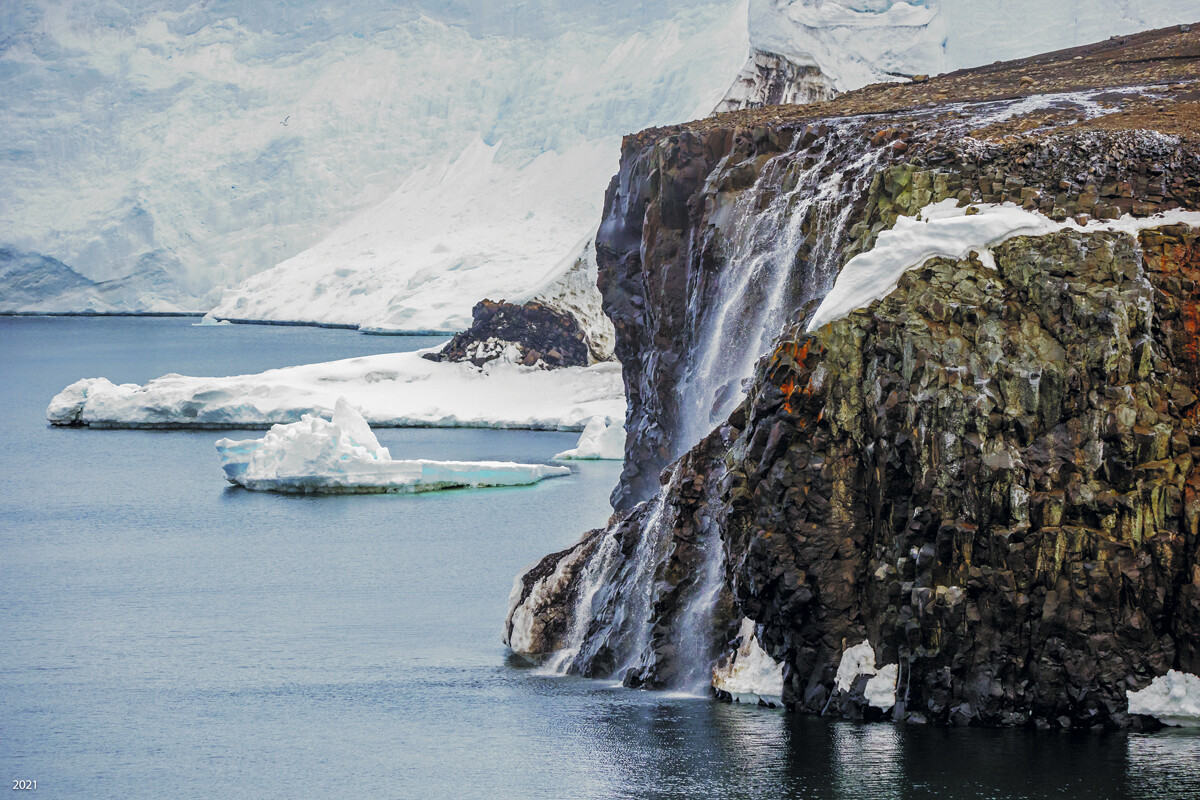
x=447 y=238
x=944 y=230
x=342 y=456
x=391 y=390
x=857 y=42
x=483 y=226
x=135 y=128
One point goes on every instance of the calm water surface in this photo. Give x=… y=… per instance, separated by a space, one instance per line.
x=166 y=636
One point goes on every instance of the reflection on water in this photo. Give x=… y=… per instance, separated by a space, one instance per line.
x=868 y=760
x=165 y=636
x=1165 y=764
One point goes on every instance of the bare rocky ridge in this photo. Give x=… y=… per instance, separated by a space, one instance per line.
x=989 y=474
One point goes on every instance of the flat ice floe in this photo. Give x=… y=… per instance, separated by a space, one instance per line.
x=599 y=441
x=342 y=456
x=391 y=390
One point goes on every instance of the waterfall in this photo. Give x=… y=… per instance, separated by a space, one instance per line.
x=777 y=259
x=698 y=643
x=612 y=620
x=645 y=606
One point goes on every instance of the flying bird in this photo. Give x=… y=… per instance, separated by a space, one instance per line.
x=285 y=119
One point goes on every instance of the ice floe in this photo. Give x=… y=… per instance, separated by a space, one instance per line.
x=342 y=456
x=1173 y=699
x=599 y=440
x=391 y=390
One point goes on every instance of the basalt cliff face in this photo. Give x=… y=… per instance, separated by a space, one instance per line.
x=988 y=473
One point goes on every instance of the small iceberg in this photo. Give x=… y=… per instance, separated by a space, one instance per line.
x=598 y=441
x=342 y=456
x=1173 y=699
x=208 y=321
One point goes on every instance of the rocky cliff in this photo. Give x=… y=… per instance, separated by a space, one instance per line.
x=985 y=471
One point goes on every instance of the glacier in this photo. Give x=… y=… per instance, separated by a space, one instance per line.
x=341 y=455
x=390 y=390
x=222 y=139
x=858 y=42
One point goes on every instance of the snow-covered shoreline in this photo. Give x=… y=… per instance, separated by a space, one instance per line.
x=393 y=390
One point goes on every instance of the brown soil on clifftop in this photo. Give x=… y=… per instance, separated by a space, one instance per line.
x=1164 y=65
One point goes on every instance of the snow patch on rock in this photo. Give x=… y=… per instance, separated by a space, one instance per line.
x=1173 y=699
x=570 y=287
x=750 y=675
x=342 y=456
x=943 y=230
x=860 y=660
x=600 y=440
x=391 y=390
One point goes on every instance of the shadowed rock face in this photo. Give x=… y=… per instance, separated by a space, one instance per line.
x=988 y=474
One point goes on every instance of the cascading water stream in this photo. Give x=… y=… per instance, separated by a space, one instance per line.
x=782 y=248
x=766 y=278
x=619 y=620
x=696 y=625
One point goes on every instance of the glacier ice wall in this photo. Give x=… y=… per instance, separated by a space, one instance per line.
x=156 y=128
x=856 y=42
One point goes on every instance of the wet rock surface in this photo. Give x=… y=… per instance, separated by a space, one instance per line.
x=988 y=474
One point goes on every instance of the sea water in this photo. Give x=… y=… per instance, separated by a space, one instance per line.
x=167 y=636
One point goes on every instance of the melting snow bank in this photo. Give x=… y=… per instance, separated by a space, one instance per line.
x=1173 y=699
x=392 y=390
x=880 y=690
x=342 y=456
x=750 y=676
x=599 y=440
x=943 y=230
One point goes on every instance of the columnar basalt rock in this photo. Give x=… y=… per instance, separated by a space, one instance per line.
x=988 y=474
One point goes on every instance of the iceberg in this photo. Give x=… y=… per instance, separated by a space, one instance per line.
x=342 y=456
x=393 y=390
x=599 y=440
x=1173 y=699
